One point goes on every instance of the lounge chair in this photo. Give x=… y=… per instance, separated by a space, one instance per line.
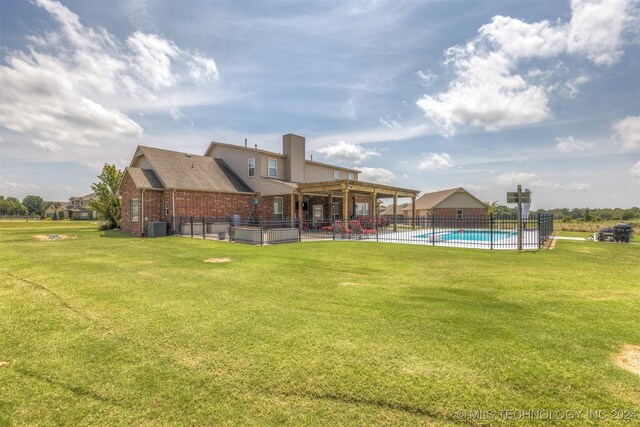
x=356 y=227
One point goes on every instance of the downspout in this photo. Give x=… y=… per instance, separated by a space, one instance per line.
x=173 y=206
x=142 y=216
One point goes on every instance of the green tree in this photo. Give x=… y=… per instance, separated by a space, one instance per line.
x=492 y=207
x=587 y=215
x=106 y=202
x=34 y=204
x=11 y=206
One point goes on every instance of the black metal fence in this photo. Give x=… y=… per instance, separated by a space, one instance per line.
x=487 y=231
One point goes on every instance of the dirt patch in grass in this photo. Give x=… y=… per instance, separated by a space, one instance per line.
x=629 y=358
x=49 y=237
x=350 y=284
x=3 y=364
x=217 y=260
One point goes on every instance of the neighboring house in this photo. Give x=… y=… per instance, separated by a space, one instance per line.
x=388 y=213
x=57 y=210
x=455 y=202
x=163 y=185
x=78 y=207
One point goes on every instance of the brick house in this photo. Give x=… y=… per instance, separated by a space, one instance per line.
x=57 y=210
x=454 y=202
x=78 y=207
x=259 y=185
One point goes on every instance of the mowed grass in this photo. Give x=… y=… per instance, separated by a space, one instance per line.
x=104 y=329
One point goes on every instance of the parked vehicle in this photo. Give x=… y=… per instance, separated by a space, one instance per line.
x=620 y=232
x=606 y=234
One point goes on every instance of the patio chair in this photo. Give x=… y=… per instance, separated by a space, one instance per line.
x=340 y=228
x=356 y=228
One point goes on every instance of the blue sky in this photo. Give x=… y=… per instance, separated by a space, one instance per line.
x=420 y=94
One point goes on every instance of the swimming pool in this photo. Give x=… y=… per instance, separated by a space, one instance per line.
x=469 y=235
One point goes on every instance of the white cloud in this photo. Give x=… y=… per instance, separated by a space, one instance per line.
x=533 y=180
x=635 y=169
x=426 y=77
x=380 y=134
x=390 y=123
x=346 y=152
x=572 y=87
x=486 y=93
x=47 y=145
x=76 y=84
x=433 y=161
x=8 y=188
x=492 y=88
x=596 y=29
x=628 y=133
x=175 y=113
x=475 y=187
x=516 y=178
x=571 y=145
x=380 y=175
x=519 y=39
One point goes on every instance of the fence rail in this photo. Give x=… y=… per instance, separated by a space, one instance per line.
x=487 y=231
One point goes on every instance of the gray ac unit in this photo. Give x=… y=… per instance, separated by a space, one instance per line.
x=156 y=229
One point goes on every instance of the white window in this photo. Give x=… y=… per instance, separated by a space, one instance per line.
x=459 y=214
x=352 y=176
x=335 y=210
x=134 y=210
x=277 y=208
x=166 y=207
x=362 y=209
x=336 y=174
x=252 y=167
x=273 y=168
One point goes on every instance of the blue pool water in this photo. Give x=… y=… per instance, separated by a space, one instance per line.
x=470 y=235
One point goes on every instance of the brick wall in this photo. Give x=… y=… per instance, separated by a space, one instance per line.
x=465 y=212
x=187 y=204
x=128 y=191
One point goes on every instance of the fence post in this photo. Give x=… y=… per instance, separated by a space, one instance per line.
x=261 y=234
x=539 y=231
x=433 y=228
x=204 y=229
x=491 y=232
x=191 y=222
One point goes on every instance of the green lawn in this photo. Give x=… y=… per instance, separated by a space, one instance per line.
x=104 y=329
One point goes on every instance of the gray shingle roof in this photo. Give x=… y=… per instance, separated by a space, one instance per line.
x=174 y=170
x=144 y=178
x=430 y=200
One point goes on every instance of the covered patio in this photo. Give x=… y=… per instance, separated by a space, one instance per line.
x=345 y=189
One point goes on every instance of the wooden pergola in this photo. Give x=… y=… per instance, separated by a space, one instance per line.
x=346 y=187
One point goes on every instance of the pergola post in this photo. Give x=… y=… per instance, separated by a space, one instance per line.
x=375 y=207
x=345 y=205
x=413 y=212
x=300 y=220
x=395 y=211
x=330 y=205
x=292 y=210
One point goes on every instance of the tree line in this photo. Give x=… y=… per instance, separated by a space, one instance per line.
x=31 y=205
x=575 y=214
x=106 y=201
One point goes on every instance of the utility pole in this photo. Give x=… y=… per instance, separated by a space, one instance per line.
x=519 y=197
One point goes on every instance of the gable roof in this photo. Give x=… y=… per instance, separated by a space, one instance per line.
x=182 y=171
x=389 y=210
x=144 y=178
x=432 y=200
